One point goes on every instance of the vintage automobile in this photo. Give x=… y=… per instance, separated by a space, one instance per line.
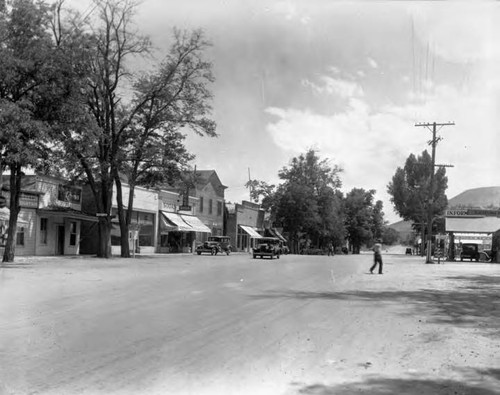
x=284 y=249
x=267 y=246
x=214 y=245
x=469 y=251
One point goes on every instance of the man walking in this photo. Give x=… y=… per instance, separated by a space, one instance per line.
x=330 y=249
x=377 y=257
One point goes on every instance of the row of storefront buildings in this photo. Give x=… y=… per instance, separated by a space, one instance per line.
x=59 y=218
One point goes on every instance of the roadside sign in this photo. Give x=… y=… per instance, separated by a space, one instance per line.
x=184 y=208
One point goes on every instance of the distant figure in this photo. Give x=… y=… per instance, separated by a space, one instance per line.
x=377 y=257
x=330 y=249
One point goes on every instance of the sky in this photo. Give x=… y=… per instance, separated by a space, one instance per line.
x=350 y=79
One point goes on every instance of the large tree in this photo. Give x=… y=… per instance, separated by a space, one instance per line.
x=34 y=78
x=412 y=195
x=364 y=219
x=136 y=124
x=308 y=200
x=172 y=98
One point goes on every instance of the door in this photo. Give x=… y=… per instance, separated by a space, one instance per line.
x=60 y=240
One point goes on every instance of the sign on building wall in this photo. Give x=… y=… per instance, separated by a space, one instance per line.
x=69 y=194
x=25 y=200
x=472 y=212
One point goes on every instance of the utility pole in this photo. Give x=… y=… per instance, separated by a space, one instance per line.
x=430 y=203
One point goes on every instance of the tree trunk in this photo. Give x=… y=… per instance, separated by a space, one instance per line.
x=422 y=241
x=124 y=222
x=104 y=245
x=15 y=191
x=104 y=206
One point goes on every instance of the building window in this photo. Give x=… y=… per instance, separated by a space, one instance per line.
x=219 y=208
x=20 y=237
x=43 y=230
x=72 y=233
x=201 y=204
x=210 y=204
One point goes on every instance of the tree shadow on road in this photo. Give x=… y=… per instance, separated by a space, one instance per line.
x=391 y=386
x=472 y=302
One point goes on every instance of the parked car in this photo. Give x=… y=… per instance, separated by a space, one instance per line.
x=469 y=251
x=485 y=256
x=267 y=246
x=214 y=245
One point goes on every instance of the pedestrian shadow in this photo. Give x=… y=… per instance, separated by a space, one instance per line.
x=472 y=302
x=391 y=386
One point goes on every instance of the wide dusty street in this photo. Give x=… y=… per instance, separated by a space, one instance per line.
x=220 y=325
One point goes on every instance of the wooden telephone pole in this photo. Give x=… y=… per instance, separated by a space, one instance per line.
x=433 y=127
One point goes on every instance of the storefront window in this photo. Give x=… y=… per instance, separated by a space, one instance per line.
x=43 y=230
x=72 y=234
x=177 y=241
x=20 y=236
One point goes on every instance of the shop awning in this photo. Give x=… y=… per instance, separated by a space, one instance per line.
x=466 y=241
x=173 y=221
x=250 y=231
x=166 y=225
x=63 y=212
x=195 y=223
x=472 y=225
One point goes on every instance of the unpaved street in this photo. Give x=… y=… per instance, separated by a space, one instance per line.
x=233 y=325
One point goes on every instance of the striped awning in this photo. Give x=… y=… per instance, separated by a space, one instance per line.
x=251 y=231
x=173 y=221
x=195 y=223
x=182 y=223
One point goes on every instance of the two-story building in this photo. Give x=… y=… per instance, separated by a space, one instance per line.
x=191 y=211
x=179 y=228
x=244 y=224
x=51 y=217
x=210 y=206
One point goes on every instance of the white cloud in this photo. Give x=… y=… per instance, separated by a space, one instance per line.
x=371 y=143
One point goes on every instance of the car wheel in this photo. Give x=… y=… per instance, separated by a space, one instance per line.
x=254 y=256
x=198 y=252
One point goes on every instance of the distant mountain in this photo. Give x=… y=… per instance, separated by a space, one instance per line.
x=486 y=197
x=401 y=226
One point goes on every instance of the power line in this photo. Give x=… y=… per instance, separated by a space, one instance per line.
x=433 y=143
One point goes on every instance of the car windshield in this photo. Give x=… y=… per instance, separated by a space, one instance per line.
x=218 y=238
x=268 y=241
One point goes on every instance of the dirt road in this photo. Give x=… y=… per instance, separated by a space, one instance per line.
x=233 y=325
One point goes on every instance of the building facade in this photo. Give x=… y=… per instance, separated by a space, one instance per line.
x=244 y=224
x=51 y=217
x=180 y=229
